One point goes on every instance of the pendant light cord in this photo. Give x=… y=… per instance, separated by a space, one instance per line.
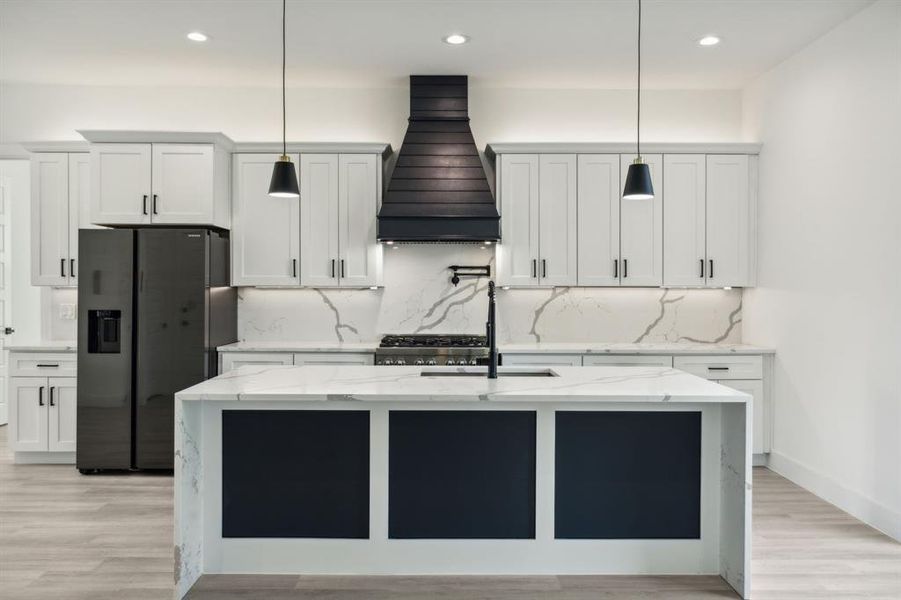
x=638 y=136
x=284 y=52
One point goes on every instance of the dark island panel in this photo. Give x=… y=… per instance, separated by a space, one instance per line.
x=295 y=474
x=461 y=475
x=628 y=475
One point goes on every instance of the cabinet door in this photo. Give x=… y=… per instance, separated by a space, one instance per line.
x=233 y=360
x=685 y=220
x=50 y=219
x=755 y=388
x=641 y=229
x=79 y=204
x=728 y=220
x=626 y=360
x=61 y=400
x=543 y=360
x=120 y=184
x=517 y=254
x=265 y=235
x=28 y=414
x=334 y=358
x=183 y=184
x=319 y=220
x=599 y=200
x=557 y=219
x=359 y=251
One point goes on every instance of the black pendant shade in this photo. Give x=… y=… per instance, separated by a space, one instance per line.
x=284 y=179
x=638 y=182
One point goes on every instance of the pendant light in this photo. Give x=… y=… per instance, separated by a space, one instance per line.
x=284 y=178
x=638 y=179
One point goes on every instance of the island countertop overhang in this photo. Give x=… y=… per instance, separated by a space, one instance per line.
x=321 y=383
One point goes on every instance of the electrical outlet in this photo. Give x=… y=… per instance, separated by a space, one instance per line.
x=67 y=312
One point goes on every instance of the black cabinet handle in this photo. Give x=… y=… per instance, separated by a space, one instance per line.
x=342 y=268
x=41 y=396
x=333 y=268
x=293 y=267
x=62 y=267
x=71 y=267
x=534 y=268
x=615 y=268
x=625 y=268
x=717 y=368
x=711 y=269
x=544 y=267
x=51 y=396
x=48 y=365
x=144 y=205
x=702 y=267
x=154 y=204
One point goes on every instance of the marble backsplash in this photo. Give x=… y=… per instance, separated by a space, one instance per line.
x=418 y=297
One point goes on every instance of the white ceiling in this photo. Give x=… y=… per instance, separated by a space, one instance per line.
x=339 y=43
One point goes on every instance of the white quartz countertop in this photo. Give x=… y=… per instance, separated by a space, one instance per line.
x=407 y=384
x=299 y=347
x=516 y=348
x=42 y=347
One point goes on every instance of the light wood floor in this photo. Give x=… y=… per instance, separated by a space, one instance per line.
x=64 y=536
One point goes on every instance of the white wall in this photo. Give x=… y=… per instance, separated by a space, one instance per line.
x=829 y=295
x=48 y=112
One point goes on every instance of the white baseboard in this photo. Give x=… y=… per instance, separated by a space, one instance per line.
x=854 y=503
x=44 y=458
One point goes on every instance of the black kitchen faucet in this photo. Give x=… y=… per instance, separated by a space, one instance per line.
x=490 y=330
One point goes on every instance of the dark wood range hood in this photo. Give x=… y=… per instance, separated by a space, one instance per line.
x=439 y=191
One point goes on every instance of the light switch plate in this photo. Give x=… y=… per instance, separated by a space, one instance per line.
x=67 y=312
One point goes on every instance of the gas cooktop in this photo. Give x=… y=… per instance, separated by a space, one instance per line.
x=432 y=349
x=434 y=341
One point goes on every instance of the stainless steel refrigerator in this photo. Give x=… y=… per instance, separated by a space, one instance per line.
x=153 y=305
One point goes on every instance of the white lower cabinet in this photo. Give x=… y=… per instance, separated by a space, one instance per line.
x=333 y=358
x=42 y=414
x=543 y=360
x=229 y=361
x=754 y=387
x=626 y=360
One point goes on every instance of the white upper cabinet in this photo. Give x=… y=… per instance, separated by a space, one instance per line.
x=60 y=184
x=319 y=220
x=538 y=220
x=728 y=220
x=182 y=183
x=517 y=254
x=265 y=237
x=339 y=200
x=167 y=184
x=359 y=186
x=641 y=229
x=120 y=184
x=599 y=219
x=685 y=220
x=557 y=219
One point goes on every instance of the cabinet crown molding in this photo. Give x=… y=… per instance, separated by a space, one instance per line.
x=109 y=136
x=61 y=146
x=380 y=148
x=619 y=148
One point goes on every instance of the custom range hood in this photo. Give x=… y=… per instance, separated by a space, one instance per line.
x=439 y=191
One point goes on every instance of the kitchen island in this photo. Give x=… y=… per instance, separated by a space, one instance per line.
x=423 y=470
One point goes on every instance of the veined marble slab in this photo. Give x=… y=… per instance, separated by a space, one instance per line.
x=407 y=384
x=276 y=346
x=43 y=347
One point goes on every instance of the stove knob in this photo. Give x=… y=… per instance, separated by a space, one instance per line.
x=450 y=362
x=431 y=362
x=400 y=362
x=473 y=362
x=389 y=362
x=419 y=361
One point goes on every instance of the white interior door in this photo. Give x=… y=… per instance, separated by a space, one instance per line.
x=359 y=250
x=61 y=400
x=685 y=220
x=319 y=220
x=517 y=254
x=28 y=414
x=5 y=245
x=641 y=229
x=598 y=208
x=182 y=184
x=557 y=223
x=50 y=219
x=265 y=235
x=120 y=184
x=728 y=220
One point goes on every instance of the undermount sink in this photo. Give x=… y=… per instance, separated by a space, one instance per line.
x=476 y=372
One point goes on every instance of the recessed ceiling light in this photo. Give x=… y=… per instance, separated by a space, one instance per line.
x=197 y=36
x=709 y=40
x=455 y=39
